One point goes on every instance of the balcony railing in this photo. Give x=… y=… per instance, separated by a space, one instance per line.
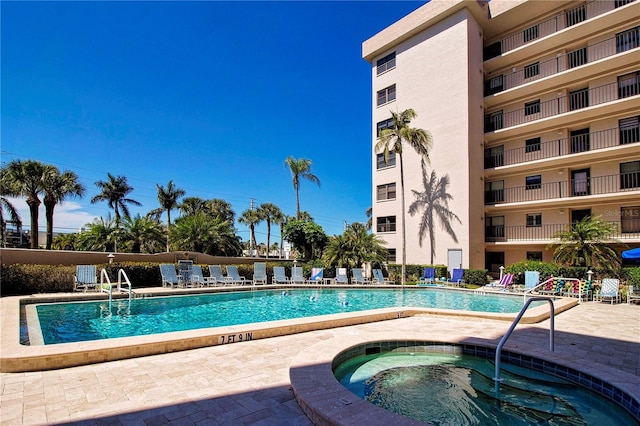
x=558 y=22
x=578 y=187
x=626 y=231
x=565 y=146
x=576 y=100
x=576 y=58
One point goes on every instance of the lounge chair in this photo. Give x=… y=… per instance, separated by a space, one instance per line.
x=86 y=277
x=215 y=272
x=379 y=278
x=428 y=276
x=185 y=274
x=317 y=276
x=531 y=281
x=341 y=276
x=234 y=277
x=633 y=295
x=357 y=277
x=297 y=276
x=553 y=287
x=577 y=288
x=259 y=273
x=197 y=277
x=280 y=275
x=609 y=290
x=456 y=276
x=503 y=284
x=169 y=276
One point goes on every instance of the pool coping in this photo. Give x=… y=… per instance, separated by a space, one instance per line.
x=15 y=357
x=327 y=403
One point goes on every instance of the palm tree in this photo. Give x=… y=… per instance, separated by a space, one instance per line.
x=221 y=209
x=205 y=234
x=100 y=235
x=142 y=234
x=64 y=242
x=354 y=247
x=26 y=179
x=392 y=139
x=270 y=213
x=300 y=168
x=434 y=200
x=192 y=205
x=369 y=213
x=57 y=188
x=115 y=191
x=251 y=218
x=168 y=199
x=6 y=207
x=587 y=243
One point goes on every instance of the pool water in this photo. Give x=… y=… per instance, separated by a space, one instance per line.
x=83 y=321
x=454 y=389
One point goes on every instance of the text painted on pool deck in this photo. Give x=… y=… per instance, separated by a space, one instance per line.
x=234 y=338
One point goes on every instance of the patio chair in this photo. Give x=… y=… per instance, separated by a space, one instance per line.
x=259 y=273
x=280 y=275
x=531 y=281
x=456 y=276
x=215 y=272
x=633 y=295
x=197 y=278
x=234 y=277
x=379 y=278
x=357 y=277
x=168 y=274
x=341 y=276
x=503 y=284
x=317 y=276
x=86 y=277
x=185 y=274
x=297 y=276
x=428 y=276
x=609 y=290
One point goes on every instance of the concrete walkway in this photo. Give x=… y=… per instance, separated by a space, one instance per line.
x=248 y=383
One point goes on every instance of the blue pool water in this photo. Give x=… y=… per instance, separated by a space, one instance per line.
x=82 y=321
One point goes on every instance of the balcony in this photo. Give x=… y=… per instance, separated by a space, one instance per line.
x=561 y=147
x=557 y=23
x=579 y=187
x=576 y=100
x=627 y=231
x=586 y=55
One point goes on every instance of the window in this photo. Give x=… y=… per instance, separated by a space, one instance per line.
x=630 y=175
x=494 y=157
x=577 y=57
x=579 y=99
x=391 y=161
x=386 y=95
x=494 y=228
x=580 y=140
x=628 y=85
x=534 y=220
x=386 y=224
x=387 y=192
x=630 y=219
x=494 y=192
x=629 y=130
x=391 y=255
x=386 y=124
x=532 y=145
x=532 y=107
x=627 y=40
x=534 y=255
x=493 y=121
x=532 y=70
x=531 y=33
x=577 y=15
x=493 y=85
x=386 y=63
x=533 y=182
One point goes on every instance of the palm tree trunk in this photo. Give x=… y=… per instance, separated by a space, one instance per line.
x=48 y=212
x=268 y=237
x=168 y=227
x=297 y=202
x=404 y=227
x=33 y=210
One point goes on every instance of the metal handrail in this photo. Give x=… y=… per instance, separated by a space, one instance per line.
x=497 y=378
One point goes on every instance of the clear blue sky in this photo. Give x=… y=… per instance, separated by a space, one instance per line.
x=211 y=95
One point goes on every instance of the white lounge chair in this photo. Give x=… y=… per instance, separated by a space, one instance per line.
x=357 y=277
x=215 y=272
x=234 y=277
x=297 y=276
x=379 y=278
x=341 y=276
x=259 y=273
x=280 y=275
x=185 y=274
x=609 y=290
x=86 y=278
x=633 y=295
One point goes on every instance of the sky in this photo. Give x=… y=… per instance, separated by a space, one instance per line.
x=212 y=95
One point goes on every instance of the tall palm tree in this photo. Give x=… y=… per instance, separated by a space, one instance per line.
x=434 y=200
x=270 y=213
x=221 y=209
x=251 y=218
x=300 y=169
x=192 y=205
x=115 y=191
x=26 y=179
x=369 y=213
x=392 y=139
x=205 y=234
x=168 y=199
x=58 y=187
x=142 y=234
x=64 y=242
x=100 y=235
x=587 y=243
x=354 y=247
x=6 y=207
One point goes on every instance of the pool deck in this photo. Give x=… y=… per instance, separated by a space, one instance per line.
x=248 y=383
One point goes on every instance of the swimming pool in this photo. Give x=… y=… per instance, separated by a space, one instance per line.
x=97 y=320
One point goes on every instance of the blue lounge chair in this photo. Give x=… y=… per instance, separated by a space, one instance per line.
x=357 y=277
x=531 y=281
x=317 y=276
x=280 y=275
x=379 y=278
x=259 y=273
x=169 y=276
x=341 y=276
x=233 y=276
x=86 y=277
x=297 y=276
x=215 y=272
x=197 y=278
x=185 y=274
x=428 y=277
x=457 y=276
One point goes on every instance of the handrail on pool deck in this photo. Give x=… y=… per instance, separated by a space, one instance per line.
x=513 y=326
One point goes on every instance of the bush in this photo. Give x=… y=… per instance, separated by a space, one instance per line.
x=19 y=279
x=631 y=275
x=546 y=269
x=475 y=276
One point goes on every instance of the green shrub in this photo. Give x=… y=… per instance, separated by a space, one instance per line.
x=19 y=279
x=546 y=269
x=475 y=276
x=631 y=275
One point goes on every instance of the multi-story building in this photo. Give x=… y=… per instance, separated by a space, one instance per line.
x=534 y=110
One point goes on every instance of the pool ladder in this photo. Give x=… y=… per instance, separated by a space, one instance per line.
x=107 y=287
x=513 y=326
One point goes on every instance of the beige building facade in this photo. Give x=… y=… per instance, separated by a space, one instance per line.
x=534 y=110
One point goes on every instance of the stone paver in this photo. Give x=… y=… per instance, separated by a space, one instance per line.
x=248 y=383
